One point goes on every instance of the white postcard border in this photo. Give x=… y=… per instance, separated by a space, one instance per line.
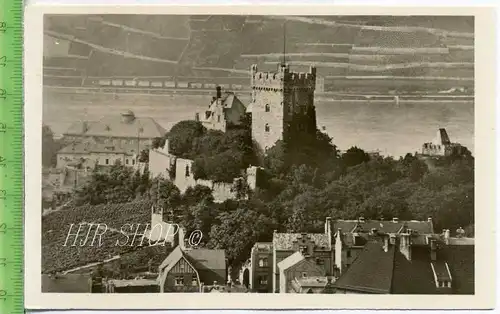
x=484 y=175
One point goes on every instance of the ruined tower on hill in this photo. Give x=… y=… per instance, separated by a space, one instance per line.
x=282 y=105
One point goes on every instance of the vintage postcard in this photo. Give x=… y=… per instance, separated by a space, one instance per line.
x=301 y=157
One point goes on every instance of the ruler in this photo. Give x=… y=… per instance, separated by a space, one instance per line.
x=11 y=157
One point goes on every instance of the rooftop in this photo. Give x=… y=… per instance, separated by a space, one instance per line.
x=125 y=125
x=377 y=271
x=285 y=241
x=91 y=145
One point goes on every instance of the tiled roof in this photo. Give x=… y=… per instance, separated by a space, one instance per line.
x=285 y=241
x=371 y=272
x=69 y=283
x=171 y=260
x=376 y=271
x=134 y=282
x=199 y=258
x=460 y=259
x=385 y=226
x=315 y=281
x=290 y=261
x=206 y=258
x=114 y=126
x=99 y=146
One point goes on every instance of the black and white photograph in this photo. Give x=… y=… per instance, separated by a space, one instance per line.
x=259 y=154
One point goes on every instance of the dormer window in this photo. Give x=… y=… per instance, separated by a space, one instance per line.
x=266 y=128
x=303 y=249
x=268 y=108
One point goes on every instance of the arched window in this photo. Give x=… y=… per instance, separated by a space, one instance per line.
x=187 y=171
x=268 y=108
x=267 y=127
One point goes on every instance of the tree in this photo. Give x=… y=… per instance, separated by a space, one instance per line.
x=181 y=137
x=354 y=156
x=144 y=156
x=248 y=225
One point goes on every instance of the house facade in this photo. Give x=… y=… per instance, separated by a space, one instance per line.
x=225 y=111
x=189 y=270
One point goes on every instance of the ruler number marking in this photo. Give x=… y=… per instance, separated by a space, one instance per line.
x=3 y=295
x=3 y=228
x=3 y=196
x=3 y=27
x=3 y=93
x=3 y=262
x=3 y=61
x=3 y=127
x=2 y=162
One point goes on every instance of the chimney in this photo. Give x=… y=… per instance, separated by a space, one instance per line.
x=219 y=92
x=386 y=243
x=395 y=220
x=328 y=225
x=361 y=219
x=182 y=240
x=447 y=236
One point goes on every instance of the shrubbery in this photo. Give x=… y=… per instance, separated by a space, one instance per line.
x=218 y=156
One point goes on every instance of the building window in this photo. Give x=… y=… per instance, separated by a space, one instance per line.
x=319 y=261
x=187 y=171
x=107 y=161
x=304 y=275
x=194 y=281
x=266 y=127
x=218 y=118
x=263 y=262
x=348 y=253
x=179 y=281
x=268 y=108
x=126 y=161
x=133 y=161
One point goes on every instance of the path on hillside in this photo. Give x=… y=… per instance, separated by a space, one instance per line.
x=107 y=50
x=403 y=29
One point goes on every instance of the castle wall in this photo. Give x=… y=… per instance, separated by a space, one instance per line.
x=267 y=127
x=159 y=163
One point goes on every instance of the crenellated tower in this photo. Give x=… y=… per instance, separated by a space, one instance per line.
x=282 y=105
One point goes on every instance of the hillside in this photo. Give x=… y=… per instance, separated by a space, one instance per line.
x=351 y=52
x=58 y=257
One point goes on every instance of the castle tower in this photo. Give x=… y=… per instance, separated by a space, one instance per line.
x=282 y=105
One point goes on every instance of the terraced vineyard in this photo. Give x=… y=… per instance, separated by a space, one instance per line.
x=56 y=256
x=438 y=49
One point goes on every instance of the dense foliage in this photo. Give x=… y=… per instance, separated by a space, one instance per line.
x=307 y=180
x=311 y=181
x=119 y=184
x=218 y=156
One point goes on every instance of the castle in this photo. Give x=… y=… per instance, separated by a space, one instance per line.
x=282 y=105
x=442 y=146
